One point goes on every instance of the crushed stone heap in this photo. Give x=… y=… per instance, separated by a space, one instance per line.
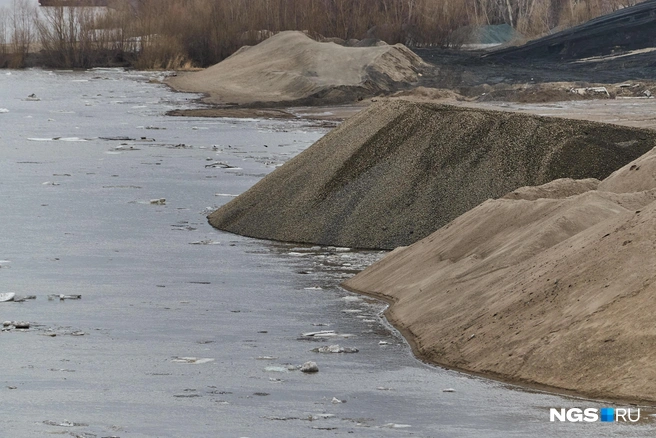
x=398 y=171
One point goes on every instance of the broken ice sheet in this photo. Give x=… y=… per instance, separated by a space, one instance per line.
x=7 y=296
x=326 y=334
x=64 y=423
x=62 y=297
x=192 y=360
x=280 y=368
x=334 y=349
x=396 y=426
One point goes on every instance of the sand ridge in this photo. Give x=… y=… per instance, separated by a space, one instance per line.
x=555 y=290
x=290 y=67
x=398 y=170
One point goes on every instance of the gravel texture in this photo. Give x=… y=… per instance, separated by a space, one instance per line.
x=398 y=171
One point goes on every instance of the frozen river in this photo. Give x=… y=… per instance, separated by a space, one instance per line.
x=183 y=330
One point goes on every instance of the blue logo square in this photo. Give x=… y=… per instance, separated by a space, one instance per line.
x=608 y=414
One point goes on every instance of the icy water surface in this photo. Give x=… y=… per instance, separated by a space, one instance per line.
x=182 y=330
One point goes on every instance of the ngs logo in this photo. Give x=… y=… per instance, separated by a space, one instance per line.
x=591 y=415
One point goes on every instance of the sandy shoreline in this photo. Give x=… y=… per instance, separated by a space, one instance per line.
x=411 y=339
x=541 y=286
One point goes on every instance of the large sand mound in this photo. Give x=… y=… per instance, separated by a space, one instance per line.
x=557 y=290
x=638 y=176
x=398 y=171
x=290 y=67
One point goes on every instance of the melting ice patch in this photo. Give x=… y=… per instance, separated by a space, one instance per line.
x=56 y=139
x=192 y=360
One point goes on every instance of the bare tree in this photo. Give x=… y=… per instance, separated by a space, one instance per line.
x=4 y=30
x=69 y=35
x=21 y=30
x=178 y=33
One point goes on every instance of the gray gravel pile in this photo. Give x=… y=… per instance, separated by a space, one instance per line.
x=398 y=171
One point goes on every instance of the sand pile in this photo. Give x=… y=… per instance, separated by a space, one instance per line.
x=292 y=68
x=552 y=284
x=398 y=171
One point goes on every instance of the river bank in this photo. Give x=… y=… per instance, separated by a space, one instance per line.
x=548 y=285
x=159 y=286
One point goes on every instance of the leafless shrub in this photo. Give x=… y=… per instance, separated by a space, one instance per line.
x=21 y=31
x=178 y=33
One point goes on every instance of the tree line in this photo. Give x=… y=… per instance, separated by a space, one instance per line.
x=183 y=33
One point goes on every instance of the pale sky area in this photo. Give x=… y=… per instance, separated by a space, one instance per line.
x=8 y=2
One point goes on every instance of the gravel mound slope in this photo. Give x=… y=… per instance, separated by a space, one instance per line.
x=398 y=171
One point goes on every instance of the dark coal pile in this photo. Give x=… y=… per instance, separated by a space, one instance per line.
x=624 y=30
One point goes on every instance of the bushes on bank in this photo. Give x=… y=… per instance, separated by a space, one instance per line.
x=178 y=33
